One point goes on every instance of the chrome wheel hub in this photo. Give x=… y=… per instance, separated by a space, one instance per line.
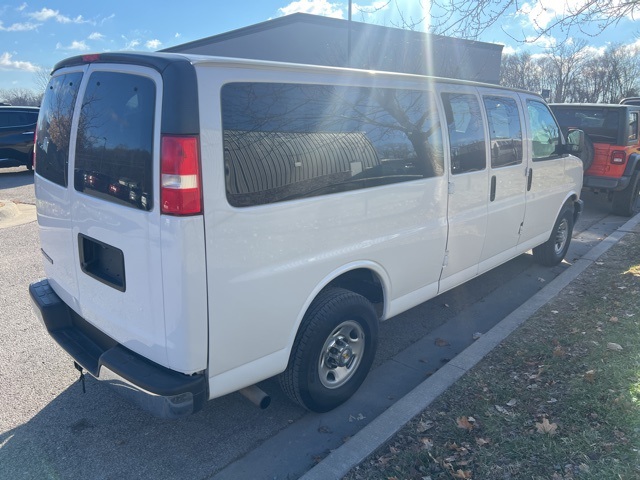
x=341 y=354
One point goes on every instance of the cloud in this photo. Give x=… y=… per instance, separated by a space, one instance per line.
x=153 y=44
x=131 y=44
x=509 y=50
x=22 y=7
x=80 y=46
x=46 y=14
x=96 y=36
x=544 y=41
x=315 y=7
x=19 y=27
x=7 y=63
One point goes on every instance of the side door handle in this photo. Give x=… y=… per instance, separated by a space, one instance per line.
x=529 y=179
x=492 y=195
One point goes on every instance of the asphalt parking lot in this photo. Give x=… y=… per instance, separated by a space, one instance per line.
x=49 y=428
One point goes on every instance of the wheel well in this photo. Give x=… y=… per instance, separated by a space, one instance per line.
x=364 y=282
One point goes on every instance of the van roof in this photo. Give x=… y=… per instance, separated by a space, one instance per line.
x=161 y=60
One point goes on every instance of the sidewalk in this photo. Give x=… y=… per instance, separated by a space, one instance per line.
x=383 y=429
x=14 y=214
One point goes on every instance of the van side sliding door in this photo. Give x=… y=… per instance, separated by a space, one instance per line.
x=507 y=178
x=468 y=184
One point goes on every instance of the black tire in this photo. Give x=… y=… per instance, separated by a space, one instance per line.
x=587 y=153
x=30 y=167
x=627 y=202
x=552 y=252
x=340 y=326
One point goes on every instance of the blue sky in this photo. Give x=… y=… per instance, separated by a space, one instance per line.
x=36 y=35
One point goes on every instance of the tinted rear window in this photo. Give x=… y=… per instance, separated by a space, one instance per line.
x=601 y=124
x=114 y=150
x=54 y=127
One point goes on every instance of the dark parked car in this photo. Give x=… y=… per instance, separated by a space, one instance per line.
x=17 y=128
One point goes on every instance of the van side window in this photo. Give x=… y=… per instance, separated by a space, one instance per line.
x=289 y=141
x=545 y=133
x=466 y=132
x=54 y=127
x=115 y=139
x=505 y=131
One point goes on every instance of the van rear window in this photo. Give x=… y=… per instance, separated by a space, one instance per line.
x=289 y=141
x=114 y=149
x=54 y=127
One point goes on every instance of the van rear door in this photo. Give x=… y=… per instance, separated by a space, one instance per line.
x=97 y=185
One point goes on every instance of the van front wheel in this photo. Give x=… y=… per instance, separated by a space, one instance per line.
x=333 y=350
x=553 y=250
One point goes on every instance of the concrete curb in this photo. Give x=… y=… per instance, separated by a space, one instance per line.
x=339 y=462
x=12 y=214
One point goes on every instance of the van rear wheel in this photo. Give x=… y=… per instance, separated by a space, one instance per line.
x=552 y=252
x=333 y=350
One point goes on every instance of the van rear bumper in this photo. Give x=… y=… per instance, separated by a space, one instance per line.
x=160 y=391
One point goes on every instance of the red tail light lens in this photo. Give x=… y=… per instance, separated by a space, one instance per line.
x=618 y=157
x=181 y=191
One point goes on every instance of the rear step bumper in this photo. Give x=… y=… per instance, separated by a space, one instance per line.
x=158 y=390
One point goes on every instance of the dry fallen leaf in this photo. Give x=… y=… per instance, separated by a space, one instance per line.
x=463 y=422
x=441 y=342
x=424 y=426
x=482 y=441
x=546 y=427
x=466 y=474
x=614 y=346
x=590 y=376
x=501 y=409
x=512 y=402
x=559 y=351
x=427 y=443
x=613 y=319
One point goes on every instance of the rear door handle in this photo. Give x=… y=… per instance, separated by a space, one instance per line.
x=529 y=179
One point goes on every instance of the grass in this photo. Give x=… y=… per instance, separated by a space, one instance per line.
x=558 y=399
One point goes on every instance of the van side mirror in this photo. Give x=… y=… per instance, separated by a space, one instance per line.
x=575 y=142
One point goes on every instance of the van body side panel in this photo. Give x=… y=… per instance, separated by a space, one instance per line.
x=269 y=250
x=293 y=247
x=184 y=292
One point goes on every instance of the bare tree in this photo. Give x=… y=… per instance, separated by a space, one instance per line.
x=575 y=73
x=20 y=96
x=41 y=78
x=471 y=18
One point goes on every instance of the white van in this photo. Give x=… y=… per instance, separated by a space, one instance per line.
x=208 y=223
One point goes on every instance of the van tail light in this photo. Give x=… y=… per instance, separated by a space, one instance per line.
x=181 y=186
x=618 y=157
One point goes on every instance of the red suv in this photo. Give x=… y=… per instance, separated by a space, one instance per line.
x=612 y=149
